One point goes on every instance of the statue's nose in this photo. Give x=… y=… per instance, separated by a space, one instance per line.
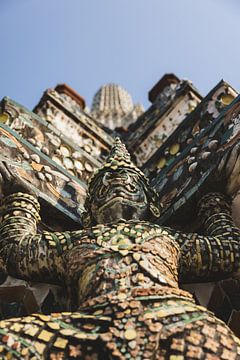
x=123 y=178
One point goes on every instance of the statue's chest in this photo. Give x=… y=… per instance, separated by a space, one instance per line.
x=123 y=250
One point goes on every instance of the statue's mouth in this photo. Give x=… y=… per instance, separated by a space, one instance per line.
x=121 y=198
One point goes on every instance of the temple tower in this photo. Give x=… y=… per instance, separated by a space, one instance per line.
x=113 y=106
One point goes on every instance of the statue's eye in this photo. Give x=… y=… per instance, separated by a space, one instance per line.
x=105 y=179
x=101 y=190
x=131 y=187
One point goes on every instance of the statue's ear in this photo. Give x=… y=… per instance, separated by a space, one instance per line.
x=155 y=210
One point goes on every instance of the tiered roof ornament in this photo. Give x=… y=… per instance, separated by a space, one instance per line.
x=113 y=107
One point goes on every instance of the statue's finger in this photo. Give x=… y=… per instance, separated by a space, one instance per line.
x=231 y=162
x=5 y=173
x=233 y=184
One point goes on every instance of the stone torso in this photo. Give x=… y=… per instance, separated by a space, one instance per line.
x=120 y=258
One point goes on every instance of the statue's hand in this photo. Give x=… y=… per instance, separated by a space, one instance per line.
x=213 y=203
x=230 y=167
x=11 y=181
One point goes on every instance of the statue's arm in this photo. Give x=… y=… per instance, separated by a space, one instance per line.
x=216 y=254
x=23 y=252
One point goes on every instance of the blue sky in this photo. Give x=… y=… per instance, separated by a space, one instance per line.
x=87 y=43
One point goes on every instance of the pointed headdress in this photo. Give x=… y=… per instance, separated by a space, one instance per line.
x=118 y=157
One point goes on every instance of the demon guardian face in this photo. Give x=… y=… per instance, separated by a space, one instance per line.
x=120 y=191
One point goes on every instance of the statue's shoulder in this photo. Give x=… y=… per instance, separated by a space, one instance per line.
x=129 y=228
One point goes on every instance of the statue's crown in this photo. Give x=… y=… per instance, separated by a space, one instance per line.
x=118 y=157
x=118 y=153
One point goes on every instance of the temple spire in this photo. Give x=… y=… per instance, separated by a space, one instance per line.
x=113 y=107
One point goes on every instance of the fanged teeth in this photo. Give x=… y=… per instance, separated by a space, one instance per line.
x=121 y=193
